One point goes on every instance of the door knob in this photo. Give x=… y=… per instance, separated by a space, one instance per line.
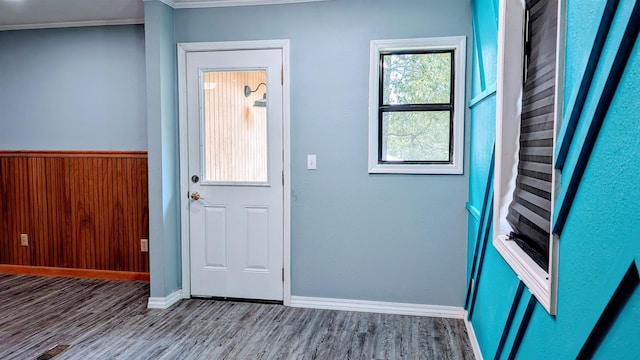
x=196 y=195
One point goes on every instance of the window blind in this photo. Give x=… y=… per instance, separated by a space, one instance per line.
x=530 y=211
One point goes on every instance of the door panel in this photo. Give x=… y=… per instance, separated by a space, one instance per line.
x=257 y=239
x=216 y=246
x=235 y=148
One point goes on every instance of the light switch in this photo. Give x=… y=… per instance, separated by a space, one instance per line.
x=311 y=162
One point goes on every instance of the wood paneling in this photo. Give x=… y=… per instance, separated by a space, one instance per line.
x=82 y=210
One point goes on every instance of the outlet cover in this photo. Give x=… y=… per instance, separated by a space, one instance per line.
x=24 y=239
x=144 y=245
x=311 y=162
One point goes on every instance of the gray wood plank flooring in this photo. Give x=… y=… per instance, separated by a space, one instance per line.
x=105 y=319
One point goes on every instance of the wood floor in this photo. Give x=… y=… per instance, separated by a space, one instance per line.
x=108 y=319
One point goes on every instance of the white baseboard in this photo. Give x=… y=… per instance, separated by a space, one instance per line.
x=473 y=339
x=378 y=307
x=165 y=302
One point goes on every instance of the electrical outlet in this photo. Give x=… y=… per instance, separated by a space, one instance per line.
x=144 y=245
x=24 y=239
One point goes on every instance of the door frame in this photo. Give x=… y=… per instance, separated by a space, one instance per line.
x=183 y=49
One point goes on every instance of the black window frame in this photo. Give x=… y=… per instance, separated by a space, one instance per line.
x=426 y=107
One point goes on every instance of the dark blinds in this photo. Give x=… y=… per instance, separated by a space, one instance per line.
x=530 y=211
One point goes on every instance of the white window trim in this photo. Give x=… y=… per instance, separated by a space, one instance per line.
x=542 y=285
x=458 y=45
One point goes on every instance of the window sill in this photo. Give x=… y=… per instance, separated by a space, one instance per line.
x=445 y=169
x=541 y=284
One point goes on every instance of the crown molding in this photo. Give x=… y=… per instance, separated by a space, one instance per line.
x=190 y=4
x=166 y=2
x=68 y=24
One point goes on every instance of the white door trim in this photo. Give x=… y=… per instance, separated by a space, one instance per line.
x=183 y=49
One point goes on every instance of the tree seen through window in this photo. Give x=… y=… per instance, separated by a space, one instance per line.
x=416 y=106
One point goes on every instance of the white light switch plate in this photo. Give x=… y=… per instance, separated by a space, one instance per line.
x=311 y=162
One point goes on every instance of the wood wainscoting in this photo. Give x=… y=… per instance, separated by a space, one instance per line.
x=84 y=213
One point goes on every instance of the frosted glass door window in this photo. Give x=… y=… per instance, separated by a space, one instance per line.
x=235 y=127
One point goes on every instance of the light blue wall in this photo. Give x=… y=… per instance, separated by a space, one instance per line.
x=73 y=89
x=393 y=238
x=164 y=222
x=600 y=239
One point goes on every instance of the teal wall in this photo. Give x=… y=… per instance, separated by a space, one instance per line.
x=482 y=110
x=397 y=238
x=597 y=311
x=73 y=89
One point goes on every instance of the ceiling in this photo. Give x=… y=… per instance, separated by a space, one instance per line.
x=36 y=14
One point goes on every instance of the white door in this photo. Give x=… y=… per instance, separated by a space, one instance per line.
x=235 y=136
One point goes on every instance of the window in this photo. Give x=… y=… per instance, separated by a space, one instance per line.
x=528 y=89
x=416 y=106
x=234 y=140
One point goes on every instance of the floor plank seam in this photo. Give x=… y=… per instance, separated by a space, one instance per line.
x=108 y=319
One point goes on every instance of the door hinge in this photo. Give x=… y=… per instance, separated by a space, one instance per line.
x=281 y=76
x=282 y=274
x=283 y=178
